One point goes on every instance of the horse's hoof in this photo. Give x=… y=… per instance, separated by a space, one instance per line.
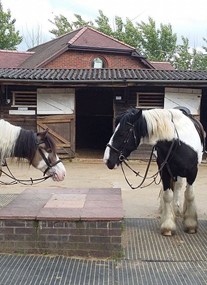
x=167 y=233
x=191 y=231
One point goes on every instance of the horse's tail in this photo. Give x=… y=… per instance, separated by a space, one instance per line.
x=200 y=130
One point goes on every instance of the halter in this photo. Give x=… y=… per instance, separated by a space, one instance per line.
x=46 y=160
x=123 y=159
x=126 y=140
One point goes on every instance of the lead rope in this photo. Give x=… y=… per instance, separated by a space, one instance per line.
x=153 y=177
x=15 y=181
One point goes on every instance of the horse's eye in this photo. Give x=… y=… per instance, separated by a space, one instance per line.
x=49 y=150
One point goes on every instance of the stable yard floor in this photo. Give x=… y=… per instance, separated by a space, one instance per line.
x=83 y=173
x=149 y=258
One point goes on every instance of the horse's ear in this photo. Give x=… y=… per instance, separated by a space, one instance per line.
x=43 y=134
x=136 y=116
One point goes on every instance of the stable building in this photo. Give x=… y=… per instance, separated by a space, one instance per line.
x=76 y=84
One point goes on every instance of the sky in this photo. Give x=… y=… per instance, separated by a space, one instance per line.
x=187 y=18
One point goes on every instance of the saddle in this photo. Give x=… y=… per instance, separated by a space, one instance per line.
x=197 y=123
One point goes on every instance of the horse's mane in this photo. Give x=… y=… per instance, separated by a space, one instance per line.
x=26 y=145
x=27 y=142
x=8 y=136
x=129 y=117
x=125 y=117
x=20 y=143
x=50 y=143
x=161 y=123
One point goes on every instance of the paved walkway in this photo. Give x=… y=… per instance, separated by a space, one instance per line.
x=149 y=258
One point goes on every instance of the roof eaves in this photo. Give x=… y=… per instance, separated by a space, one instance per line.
x=88 y=48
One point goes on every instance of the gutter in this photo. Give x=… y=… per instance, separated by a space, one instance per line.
x=195 y=82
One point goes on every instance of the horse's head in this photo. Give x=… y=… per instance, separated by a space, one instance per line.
x=46 y=159
x=125 y=138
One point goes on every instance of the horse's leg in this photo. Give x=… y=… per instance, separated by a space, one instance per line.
x=161 y=200
x=168 y=226
x=177 y=187
x=189 y=211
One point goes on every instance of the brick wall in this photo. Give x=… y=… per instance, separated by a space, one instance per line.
x=75 y=59
x=99 y=239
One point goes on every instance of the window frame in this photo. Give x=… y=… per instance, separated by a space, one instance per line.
x=25 y=94
x=103 y=62
x=159 y=101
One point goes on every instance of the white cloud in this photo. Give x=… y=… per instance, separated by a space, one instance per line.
x=186 y=18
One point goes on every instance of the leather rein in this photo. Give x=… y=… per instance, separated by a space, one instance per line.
x=30 y=181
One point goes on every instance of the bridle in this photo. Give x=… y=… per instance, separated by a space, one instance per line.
x=30 y=181
x=122 y=158
x=46 y=160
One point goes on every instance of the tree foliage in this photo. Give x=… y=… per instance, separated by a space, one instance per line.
x=63 y=26
x=156 y=43
x=9 y=38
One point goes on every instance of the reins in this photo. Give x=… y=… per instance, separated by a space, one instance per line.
x=138 y=173
x=154 y=176
x=15 y=180
x=123 y=159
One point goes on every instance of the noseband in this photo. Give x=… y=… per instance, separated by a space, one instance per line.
x=125 y=142
x=46 y=160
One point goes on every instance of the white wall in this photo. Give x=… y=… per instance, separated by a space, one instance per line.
x=187 y=97
x=55 y=101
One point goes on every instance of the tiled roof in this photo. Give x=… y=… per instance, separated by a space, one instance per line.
x=100 y=75
x=85 y=38
x=162 y=65
x=12 y=58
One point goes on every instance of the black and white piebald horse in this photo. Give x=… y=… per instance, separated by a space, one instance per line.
x=38 y=148
x=179 y=141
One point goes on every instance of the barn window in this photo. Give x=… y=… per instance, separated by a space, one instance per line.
x=98 y=63
x=150 y=100
x=24 y=99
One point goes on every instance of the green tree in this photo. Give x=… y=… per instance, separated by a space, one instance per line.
x=132 y=35
x=183 y=58
x=9 y=38
x=103 y=24
x=157 y=44
x=80 y=22
x=63 y=26
x=199 y=60
x=127 y=32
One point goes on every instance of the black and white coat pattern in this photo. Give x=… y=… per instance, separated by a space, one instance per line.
x=38 y=148
x=164 y=128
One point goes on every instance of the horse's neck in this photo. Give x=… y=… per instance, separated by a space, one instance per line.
x=8 y=138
